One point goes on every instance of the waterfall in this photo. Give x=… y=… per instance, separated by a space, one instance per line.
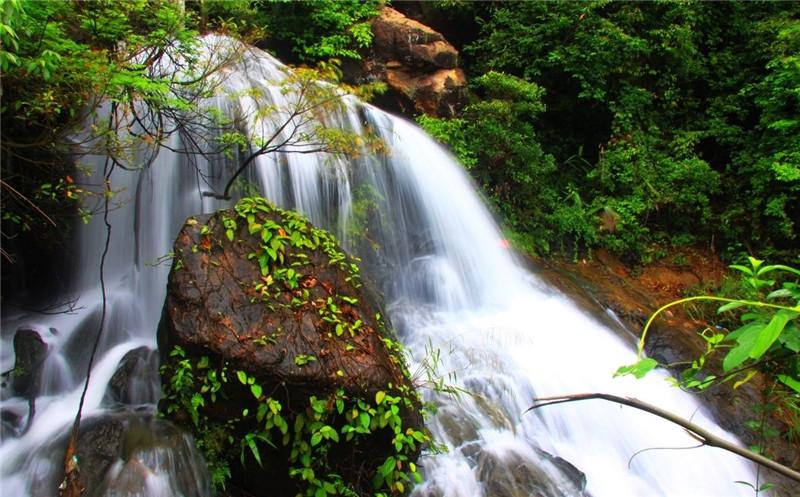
x=452 y=288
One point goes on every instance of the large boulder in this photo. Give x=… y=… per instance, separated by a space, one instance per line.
x=276 y=357
x=419 y=66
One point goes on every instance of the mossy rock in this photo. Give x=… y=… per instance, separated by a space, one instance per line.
x=277 y=359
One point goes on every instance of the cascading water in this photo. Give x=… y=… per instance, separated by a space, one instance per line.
x=451 y=286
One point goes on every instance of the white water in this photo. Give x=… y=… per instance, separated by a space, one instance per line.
x=450 y=286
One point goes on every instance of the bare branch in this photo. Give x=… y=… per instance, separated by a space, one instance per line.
x=697 y=432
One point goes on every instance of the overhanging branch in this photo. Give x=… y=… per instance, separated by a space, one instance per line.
x=695 y=431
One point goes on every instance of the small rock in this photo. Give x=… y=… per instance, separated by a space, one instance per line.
x=30 y=352
x=136 y=381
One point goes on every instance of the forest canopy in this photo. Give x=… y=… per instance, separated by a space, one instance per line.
x=667 y=122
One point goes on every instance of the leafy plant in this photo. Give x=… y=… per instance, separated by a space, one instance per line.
x=321 y=29
x=765 y=338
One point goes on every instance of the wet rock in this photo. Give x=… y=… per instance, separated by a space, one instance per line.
x=129 y=454
x=257 y=292
x=512 y=475
x=282 y=330
x=417 y=63
x=30 y=352
x=10 y=423
x=135 y=382
x=100 y=444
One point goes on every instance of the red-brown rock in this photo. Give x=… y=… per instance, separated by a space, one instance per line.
x=280 y=328
x=417 y=63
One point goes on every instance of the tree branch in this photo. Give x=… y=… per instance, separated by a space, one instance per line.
x=697 y=432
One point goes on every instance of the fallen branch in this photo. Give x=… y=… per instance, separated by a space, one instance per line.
x=695 y=431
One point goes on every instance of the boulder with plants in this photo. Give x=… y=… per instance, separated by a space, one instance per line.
x=275 y=356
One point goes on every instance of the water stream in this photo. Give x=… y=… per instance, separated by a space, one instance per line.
x=451 y=286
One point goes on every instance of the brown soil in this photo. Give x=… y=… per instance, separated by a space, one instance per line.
x=633 y=294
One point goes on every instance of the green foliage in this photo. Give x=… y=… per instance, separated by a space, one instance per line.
x=764 y=337
x=60 y=61
x=310 y=431
x=672 y=120
x=321 y=29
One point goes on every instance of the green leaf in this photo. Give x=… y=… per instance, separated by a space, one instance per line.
x=242 y=377
x=316 y=438
x=744 y=269
x=744 y=380
x=254 y=449
x=736 y=356
x=387 y=467
x=729 y=306
x=333 y=435
x=379 y=396
x=790 y=338
x=781 y=267
x=751 y=328
x=256 y=390
x=790 y=382
x=769 y=334
x=639 y=369
x=783 y=292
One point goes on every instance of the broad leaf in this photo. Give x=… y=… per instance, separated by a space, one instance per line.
x=769 y=334
x=790 y=382
x=790 y=338
x=746 y=339
x=639 y=369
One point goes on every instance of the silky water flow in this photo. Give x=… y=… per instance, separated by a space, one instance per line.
x=453 y=291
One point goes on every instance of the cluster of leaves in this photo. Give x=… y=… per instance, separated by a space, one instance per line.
x=310 y=432
x=763 y=336
x=667 y=122
x=319 y=30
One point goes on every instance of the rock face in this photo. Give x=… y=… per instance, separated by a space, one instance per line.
x=265 y=317
x=417 y=63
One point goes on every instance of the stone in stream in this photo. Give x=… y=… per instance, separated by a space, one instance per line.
x=131 y=454
x=30 y=352
x=277 y=359
x=510 y=475
x=135 y=382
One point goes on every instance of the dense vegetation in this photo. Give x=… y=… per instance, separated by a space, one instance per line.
x=661 y=123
